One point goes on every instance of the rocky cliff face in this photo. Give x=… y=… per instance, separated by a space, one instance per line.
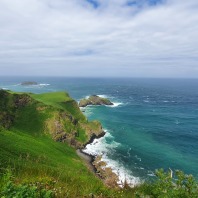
x=94 y=100
x=62 y=119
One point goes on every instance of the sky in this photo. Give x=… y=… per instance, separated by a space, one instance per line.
x=99 y=38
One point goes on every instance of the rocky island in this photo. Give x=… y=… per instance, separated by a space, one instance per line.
x=27 y=83
x=94 y=100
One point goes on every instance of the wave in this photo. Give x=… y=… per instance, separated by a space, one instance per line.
x=115 y=104
x=100 y=95
x=151 y=174
x=101 y=147
x=165 y=101
x=177 y=122
x=103 y=96
x=87 y=111
x=44 y=84
x=37 y=85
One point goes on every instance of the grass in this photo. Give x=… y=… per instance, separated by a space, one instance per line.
x=34 y=158
x=41 y=159
x=62 y=101
x=53 y=98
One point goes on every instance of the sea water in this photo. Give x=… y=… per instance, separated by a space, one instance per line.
x=153 y=123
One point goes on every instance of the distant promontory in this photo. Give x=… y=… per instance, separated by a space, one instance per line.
x=94 y=100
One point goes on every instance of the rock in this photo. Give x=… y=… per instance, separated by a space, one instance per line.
x=29 y=83
x=94 y=100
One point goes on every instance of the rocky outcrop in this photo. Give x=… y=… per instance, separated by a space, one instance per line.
x=94 y=100
x=26 y=83
x=105 y=173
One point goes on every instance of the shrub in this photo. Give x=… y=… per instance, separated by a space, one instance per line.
x=9 y=190
x=168 y=185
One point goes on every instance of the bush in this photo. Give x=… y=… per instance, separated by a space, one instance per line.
x=9 y=190
x=168 y=185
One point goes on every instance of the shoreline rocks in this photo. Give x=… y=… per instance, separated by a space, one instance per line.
x=97 y=166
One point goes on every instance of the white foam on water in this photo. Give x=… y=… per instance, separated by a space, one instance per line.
x=115 y=104
x=151 y=174
x=138 y=158
x=87 y=111
x=128 y=152
x=165 y=101
x=101 y=147
x=103 y=96
x=44 y=84
x=4 y=88
x=37 y=85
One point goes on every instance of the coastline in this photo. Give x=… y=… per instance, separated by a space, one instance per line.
x=95 y=164
x=112 y=174
x=88 y=158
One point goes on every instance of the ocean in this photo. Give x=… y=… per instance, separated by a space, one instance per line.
x=153 y=123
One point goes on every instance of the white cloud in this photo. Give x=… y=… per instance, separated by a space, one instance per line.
x=72 y=36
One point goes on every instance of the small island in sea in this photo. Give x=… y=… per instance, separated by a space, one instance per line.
x=27 y=83
x=94 y=100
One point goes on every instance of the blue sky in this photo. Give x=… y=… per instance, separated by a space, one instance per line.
x=132 y=38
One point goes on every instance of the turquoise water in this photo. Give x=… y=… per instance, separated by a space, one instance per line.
x=153 y=124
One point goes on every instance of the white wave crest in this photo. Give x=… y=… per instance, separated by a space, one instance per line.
x=103 y=96
x=103 y=148
x=44 y=84
x=115 y=104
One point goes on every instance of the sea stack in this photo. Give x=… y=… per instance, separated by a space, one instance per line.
x=94 y=100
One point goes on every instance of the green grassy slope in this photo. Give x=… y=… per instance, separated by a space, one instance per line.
x=31 y=130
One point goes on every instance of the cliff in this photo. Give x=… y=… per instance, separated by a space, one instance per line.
x=60 y=115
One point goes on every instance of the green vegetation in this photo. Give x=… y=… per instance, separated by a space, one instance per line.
x=169 y=186
x=39 y=135
x=10 y=189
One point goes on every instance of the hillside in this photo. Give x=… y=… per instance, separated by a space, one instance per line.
x=39 y=134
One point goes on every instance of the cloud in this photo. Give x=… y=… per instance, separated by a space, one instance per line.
x=121 y=37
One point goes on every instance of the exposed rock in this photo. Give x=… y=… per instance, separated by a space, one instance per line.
x=106 y=173
x=29 y=83
x=21 y=100
x=6 y=120
x=94 y=100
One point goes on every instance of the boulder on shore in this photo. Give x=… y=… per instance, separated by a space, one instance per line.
x=94 y=100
